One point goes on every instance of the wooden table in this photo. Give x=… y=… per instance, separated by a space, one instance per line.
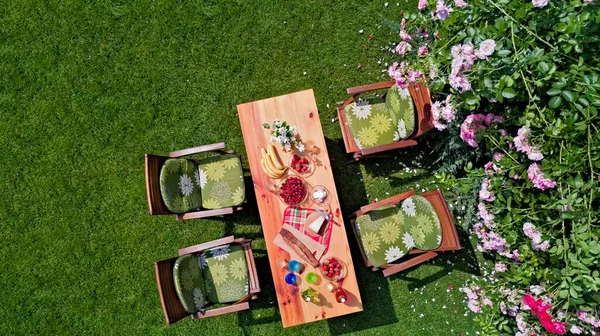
x=299 y=109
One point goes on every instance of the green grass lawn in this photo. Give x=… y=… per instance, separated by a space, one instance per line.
x=88 y=87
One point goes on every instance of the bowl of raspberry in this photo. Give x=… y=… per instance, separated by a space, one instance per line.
x=293 y=190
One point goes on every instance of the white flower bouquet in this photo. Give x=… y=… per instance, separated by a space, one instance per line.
x=286 y=135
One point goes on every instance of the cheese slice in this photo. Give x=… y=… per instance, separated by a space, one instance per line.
x=316 y=224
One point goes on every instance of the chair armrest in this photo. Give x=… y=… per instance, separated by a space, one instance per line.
x=388 y=201
x=370 y=87
x=220 y=146
x=409 y=263
x=388 y=147
x=252 y=272
x=224 y=310
x=205 y=213
x=204 y=246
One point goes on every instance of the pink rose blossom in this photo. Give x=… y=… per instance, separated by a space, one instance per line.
x=500 y=267
x=460 y=3
x=540 y=3
x=422 y=4
x=576 y=330
x=442 y=11
x=402 y=48
x=486 y=48
x=422 y=51
x=488 y=219
x=485 y=193
x=475 y=122
x=535 y=174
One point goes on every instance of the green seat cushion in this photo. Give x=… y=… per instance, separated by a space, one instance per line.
x=189 y=282
x=370 y=123
x=421 y=222
x=402 y=111
x=179 y=191
x=225 y=273
x=221 y=180
x=382 y=235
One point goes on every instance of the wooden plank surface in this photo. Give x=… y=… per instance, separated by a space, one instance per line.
x=299 y=109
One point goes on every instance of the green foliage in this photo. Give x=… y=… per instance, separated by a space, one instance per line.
x=543 y=79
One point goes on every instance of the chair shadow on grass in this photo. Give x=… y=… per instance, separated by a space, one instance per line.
x=374 y=289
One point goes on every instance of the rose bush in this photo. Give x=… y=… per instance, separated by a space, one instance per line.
x=517 y=82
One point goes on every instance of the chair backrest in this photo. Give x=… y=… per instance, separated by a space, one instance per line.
x=450 y=240
x=156 y=206
x=172 y=307
x=422 y=97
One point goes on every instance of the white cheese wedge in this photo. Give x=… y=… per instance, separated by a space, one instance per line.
x=316 y=225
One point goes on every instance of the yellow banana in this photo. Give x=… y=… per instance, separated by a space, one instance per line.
x=274 y=157
x=269 y=170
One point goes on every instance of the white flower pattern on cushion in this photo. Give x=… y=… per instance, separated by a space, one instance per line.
x=220 y=253
x=198 y=298
x=358 y=144
x=404 y=93
x=401 y=130
x=185 y=185
x=361 y=109
x=409 y=207
x=201 y=178
x=393 y=253
x=408 y=240
x=439 y=239
x=202 y=263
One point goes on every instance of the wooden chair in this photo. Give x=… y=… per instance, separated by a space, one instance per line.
x=422 y=99
x=450 y=240
x=171 y=305
x=153 y=165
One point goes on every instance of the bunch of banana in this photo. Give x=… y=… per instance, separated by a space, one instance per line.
x=270 y=162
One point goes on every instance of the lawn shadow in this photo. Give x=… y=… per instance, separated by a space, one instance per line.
x=374 y=289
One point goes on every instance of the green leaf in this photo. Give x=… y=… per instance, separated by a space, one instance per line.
x=508 y=93
x=553 y=92
x=543 y=67
x=503 y=53
x=555 y=102
x=561 y=27
x=568 y=96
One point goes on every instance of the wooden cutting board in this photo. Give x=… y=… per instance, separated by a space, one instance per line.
x=316 y=248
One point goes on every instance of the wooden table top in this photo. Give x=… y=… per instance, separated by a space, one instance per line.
x=299 y=109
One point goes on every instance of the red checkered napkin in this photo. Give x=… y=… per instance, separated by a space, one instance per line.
x=296 y=218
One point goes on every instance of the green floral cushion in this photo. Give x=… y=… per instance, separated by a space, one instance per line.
x=402 y=111
x=177 y=187
x=421 y=222
x=382 y=235
x=370 y=123
x=221 y=180
x=189 y=283
x=388 y=233
x=225 y=273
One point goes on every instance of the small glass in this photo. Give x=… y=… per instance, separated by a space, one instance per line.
x=294 y=265
x=290 y=279
x=311 y=277
x=282 y=263
x=330 y=287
